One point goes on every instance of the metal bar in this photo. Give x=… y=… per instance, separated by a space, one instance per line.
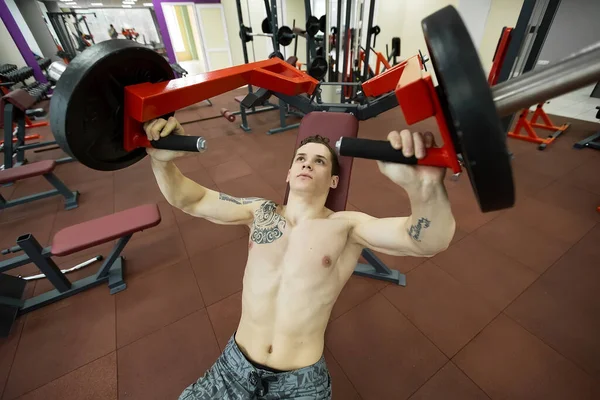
x=8 y=133
x=238 y=4
x=337 y=40
x=16 y=262
x=33 y=249
x=61 y=188
x=274 y=24
x=19 y=116
x=578 y=70
x=346 y=47
x=368 y=49
x=112 y=257
x=28 y=199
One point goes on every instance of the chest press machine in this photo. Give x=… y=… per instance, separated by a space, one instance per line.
x=108 y=92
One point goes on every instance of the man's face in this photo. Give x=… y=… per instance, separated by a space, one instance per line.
x=311 y=170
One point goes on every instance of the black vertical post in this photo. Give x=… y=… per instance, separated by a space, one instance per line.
x=368 y=46
x=541 y=33
x=34 y=250
x=274 y=25
x=311 y=51
x=238 y=3
x=346 y=49
x=337 y=41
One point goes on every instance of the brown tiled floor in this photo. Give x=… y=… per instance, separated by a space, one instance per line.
x=510 y=311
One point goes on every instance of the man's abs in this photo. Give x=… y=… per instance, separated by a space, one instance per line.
x=290 y=287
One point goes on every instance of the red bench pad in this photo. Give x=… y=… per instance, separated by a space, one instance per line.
x=239 y=99
x=104 y=229
x=26 y=171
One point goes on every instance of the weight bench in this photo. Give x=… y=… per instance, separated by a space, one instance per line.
x=333 y=126
x=13 y=110
x=44 y=168
x=121 y=225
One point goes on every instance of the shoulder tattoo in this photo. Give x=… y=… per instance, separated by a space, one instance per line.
x=238 y=200
x=268 y=225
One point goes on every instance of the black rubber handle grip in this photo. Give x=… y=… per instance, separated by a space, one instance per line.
x=372 y=149
x=180 y=143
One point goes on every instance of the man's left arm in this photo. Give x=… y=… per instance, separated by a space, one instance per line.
x=431 y=226
x=426 y=232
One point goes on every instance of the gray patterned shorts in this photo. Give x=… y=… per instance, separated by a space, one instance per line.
x=234 y=377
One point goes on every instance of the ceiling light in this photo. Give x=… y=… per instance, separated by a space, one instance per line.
x=128 y=2
x=97 y=4
x=148 y=4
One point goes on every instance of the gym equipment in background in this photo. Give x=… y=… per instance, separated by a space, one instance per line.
x=121 y=225
x=13 y=108
x=465 y=108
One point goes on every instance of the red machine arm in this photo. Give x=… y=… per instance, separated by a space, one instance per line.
x=146 y=101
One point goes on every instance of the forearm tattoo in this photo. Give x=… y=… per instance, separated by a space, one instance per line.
x=415 y=230
x=268 y=226
x=238 y=200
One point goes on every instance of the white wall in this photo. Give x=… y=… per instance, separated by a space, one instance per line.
x=502 y=13
x=262 y=45
x=474 y=13
x=14 y=10
x=9 y=53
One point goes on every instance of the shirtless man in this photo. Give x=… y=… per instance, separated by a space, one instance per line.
x=300 y=257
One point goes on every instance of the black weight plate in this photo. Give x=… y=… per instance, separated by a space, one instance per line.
x=318 y=68
x=322 y=23
x=285 y=36
x=266 y=26
x=470 y=111
x=312 y=25
x=86 y=111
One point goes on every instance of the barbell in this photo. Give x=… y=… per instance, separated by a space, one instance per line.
x=109 y=89
x=285 y=36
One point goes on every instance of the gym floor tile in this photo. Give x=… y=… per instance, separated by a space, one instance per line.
x=37 y=209
x=56 y=343
x=529 y=183
x=161 y=365
x=561 y=308
x=381 y=352
x=221 y=151
x=249 y=186
x=229 y=170
x=220 y=271
x=153 y=251
x=533 y=247
x=466 y=211
x=200 y=235
x=225 y=316
x=494 y=276
x=341 y=387
x=571 y=198
x=96 y=380
x=552 y=161
x=586 y=175
x=156 y=300
x=562 y=224
x=508 y=362
x=449 y=313
x=449 y=383
x=357 y=290
x=136 y=191
x=8 y=349
x=74 y=173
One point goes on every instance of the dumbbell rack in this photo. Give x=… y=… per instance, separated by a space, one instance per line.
x=10 y=75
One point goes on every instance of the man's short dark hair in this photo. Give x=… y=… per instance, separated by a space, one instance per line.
x=335 y=163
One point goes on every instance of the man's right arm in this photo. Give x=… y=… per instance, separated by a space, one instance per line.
x=194 y=199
